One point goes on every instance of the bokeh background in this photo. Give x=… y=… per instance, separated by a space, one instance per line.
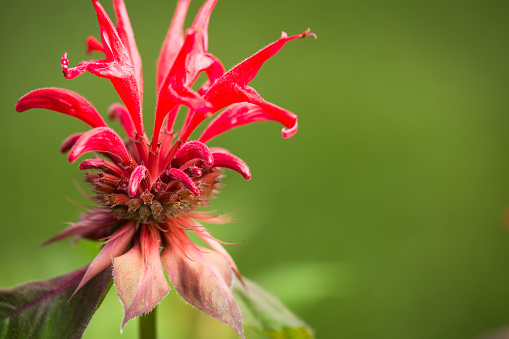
x=382 y=217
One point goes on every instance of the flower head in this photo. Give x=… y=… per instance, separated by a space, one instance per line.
x=146 y=191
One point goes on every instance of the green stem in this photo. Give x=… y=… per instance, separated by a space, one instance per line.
x=148 y=325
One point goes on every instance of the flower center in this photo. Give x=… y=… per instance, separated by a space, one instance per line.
x=165 y=199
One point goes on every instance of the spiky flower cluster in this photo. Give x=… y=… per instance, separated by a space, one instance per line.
x=147 y=192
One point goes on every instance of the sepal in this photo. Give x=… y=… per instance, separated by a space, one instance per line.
x=203 y=278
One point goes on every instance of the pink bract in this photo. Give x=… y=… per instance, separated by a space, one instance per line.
x=147 y=192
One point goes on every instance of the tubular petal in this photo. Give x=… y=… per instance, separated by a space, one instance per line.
x=119 y=112
x=118 y=67
x=194 y=150
x=91 y=164
x=101 y=139
x=232 y=87
x=191 y=60
x=94 y=45
x=134 y=182
x=100 y=164
x=125 y=31
x=203 y=278
x=184 y=179
x=63 y=101
x=175 y=90
x=230 y=161
x=69 y=142
x=172 y=43
x=122 y=237
x=198 y=59
x=139 y=276
x=234 y=116
x=284 y=116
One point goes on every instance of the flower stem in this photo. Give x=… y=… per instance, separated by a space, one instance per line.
x=148 y=325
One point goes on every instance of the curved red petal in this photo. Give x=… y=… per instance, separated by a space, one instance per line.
x=69 y=142
x=102 y=165
x=230 y=161
x=231 y=88
x=94 y=45
x=63 y=101
x=101 y=139
x=119 y=112
x=92 y=164
x=234 y=116
x=136 y=177
x=184 y=179
x=118 y=67
x=194 y=150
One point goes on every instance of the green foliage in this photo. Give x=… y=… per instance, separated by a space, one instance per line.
x=264 y=313
x=42 y=309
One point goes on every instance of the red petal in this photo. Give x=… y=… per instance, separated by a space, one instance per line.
x=191 y=60
x=139 y=276
x=121 y=239
x=234 y=116
x=94 y=45
x=63 y=101
x=105 y=166
x=119 y=112
x=203 y=278
x=232 y=87
x=172 y=43
x=184 y=179
x=91 y=164
x=69 y=142
x=194 y=150
x=136 y=177
x=101 y=139
x=175 y=90
x=199 y=60
x=126 y=33
x=118 y=67
x=230 y=161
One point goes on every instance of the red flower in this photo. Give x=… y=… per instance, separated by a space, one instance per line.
x=147 y=193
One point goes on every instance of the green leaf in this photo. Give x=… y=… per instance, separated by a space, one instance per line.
x=264 y=313
x=42 y=309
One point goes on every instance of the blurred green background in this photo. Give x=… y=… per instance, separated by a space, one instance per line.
x=382 y=217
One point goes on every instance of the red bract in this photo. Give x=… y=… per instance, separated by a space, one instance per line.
x=147 y=192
